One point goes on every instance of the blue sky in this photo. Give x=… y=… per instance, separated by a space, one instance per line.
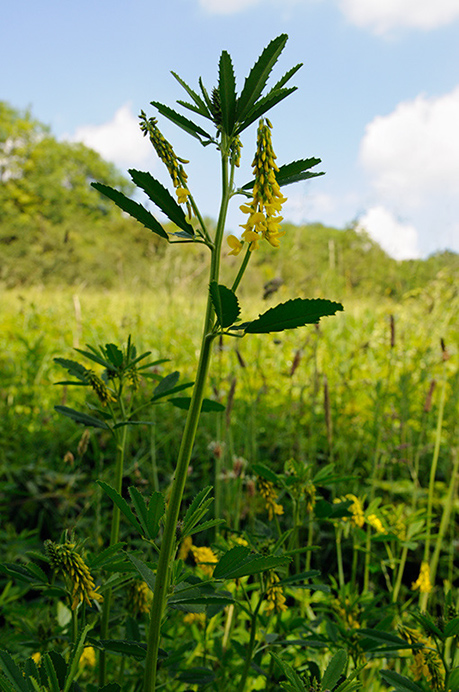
x=377 y=99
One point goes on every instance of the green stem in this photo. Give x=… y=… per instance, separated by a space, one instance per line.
x=114 y=537
x=433 y=473
x=242 y=269
x=186 y=447
x=445 y=522
x=248 y=658
x=339 y=556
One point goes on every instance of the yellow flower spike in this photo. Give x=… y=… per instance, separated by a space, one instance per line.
x=182 y=195
x=235 y=245
x=64 y=558
x=423 y=582
x=267 y=199
x=376 y=523
x=205 y=558
x=87 y=658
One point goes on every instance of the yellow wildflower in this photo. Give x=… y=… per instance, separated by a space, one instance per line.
x=376 y=523
x=139 y=597
x=269 y=493
x=427 y=662
x=267 y=198
x=99 y=387
x=205 y=558
x=423 y=582
x=182 y=195
x=88 y=657
x=358 y=517
x=235 y=245
x=310 y=497
x=185 y=548
x=274 y=595
x=64 y=558
x=36 y=657
x=195 y=618
x=168 y=156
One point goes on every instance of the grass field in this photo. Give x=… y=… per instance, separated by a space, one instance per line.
x=364 y=405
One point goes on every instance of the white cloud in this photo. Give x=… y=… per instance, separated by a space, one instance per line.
x=414 y=150
x=227 y=6
x=119 y=140
x=412 y=158
x=234 y=6
x=398 y=239
x=383 y=16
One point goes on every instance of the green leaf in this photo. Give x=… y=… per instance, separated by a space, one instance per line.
x=156 y=509
x=400 y=683
x=203 y=526
x=287 y=76
x=162 y=198
x=227 y=90
x=134 y=209
x=13 y=673
x=182 y=122
x=199 y=675
x=453 y=681
x=145 y=572
x=114 y=355
x=290 y=315
x=240 y=562
x=74 y=660
x=258 y=76
x=291 y=675
x=265 y=104
x=200 y=106
x=197 y=510
x=122 y=504
x=225 y=304
x=123 y=647
x=266 y=473
x=19 y=572
x=297 y=170
x=74 y=368
x=140 y=507
x=334 y=670
x=208 y=405
x=384 y=638
x=106 y=556
x=166 y=385
x=48 y=666
x=83 y=418
x=291 y=173
x=452 y=628
x=173 y=390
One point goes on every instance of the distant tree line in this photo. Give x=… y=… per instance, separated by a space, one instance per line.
x=56 y=229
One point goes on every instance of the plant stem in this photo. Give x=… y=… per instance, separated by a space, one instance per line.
x=114 y=537
x=433 y=472
x=186 y=447
x=248 y=658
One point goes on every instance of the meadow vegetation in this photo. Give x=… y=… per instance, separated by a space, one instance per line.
x=317 y=545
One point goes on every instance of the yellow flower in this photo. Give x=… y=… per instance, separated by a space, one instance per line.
x=185 y=548
x=64 y=558
x=195 y=618
x=36 y=656
x=235 y=245
x=269 y=493
x=88 y=657
x=139 y=597
x=267 y=198
x=182 y=195
x=274 y=595
x=356 y=508
x=376 y=523
x=423 y=582
x=205 y=558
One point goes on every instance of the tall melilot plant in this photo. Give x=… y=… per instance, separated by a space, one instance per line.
x=227 y=115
